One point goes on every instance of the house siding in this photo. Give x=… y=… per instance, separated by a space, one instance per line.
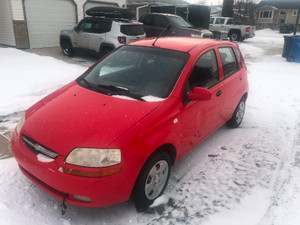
x=7 y=36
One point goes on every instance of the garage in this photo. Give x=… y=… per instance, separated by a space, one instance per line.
x=91 y=4
x=6 y=25
x=45 y=19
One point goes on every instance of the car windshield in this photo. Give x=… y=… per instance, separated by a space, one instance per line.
x=178 y=21
x=136 y=72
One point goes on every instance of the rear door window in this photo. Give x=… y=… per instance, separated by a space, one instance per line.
x=230 y=65
x=101 y=26
x=205 y=72
x=132 y=30
x=219 y=21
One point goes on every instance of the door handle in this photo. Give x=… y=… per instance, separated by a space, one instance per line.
x=218 y=93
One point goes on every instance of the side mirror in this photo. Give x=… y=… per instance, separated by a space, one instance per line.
x=199 y=93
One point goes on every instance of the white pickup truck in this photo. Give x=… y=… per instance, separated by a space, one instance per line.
x=235 y=32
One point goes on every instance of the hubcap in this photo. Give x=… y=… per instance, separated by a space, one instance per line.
x=233 y=37
x=156 y=179
x=240 y=112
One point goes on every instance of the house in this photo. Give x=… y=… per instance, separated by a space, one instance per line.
x=37 y=23
x=273 y=13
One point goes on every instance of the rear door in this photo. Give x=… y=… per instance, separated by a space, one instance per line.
x=200 y=118
x=234 y=73
x=98 y=33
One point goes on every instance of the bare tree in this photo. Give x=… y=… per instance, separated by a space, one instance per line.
x=227 y=9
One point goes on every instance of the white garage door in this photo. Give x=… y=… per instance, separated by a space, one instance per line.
x=91 y=4
x=7 y=36
x=45 y=20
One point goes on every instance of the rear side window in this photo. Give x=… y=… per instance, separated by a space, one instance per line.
x=230 y=65
x=132 y=30
x=205 y=72
x=211 y=20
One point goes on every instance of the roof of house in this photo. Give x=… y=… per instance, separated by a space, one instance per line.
x=282 y=4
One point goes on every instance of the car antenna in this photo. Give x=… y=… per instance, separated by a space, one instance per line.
x=153 y=44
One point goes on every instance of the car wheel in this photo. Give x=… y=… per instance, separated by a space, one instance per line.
x=152 y=180
x=234 y=36
x=238 y=115
x=105 y=51
x=67 y=48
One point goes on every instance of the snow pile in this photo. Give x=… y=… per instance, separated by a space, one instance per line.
x=249 y=175
x=26 y=78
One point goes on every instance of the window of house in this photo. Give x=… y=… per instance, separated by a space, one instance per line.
x=205 y=72
x=267 y=14
x=295 y=12
x=282 y=12
x=230 y=65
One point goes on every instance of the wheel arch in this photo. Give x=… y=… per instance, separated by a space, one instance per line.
x=168 y=149
x=64 y=38
x=106 y=45
x=234 y=30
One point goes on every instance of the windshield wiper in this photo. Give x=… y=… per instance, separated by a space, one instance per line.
x=94 y=87
x=122 y=91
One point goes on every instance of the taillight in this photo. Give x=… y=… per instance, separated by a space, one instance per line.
x=122 y=40
x=247 y=29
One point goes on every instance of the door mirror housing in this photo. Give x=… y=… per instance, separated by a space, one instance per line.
x=199 y=94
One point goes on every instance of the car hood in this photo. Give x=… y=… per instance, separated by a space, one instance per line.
x=195 y=30
x=77 y=117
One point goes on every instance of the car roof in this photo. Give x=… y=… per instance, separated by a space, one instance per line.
x=184 y=44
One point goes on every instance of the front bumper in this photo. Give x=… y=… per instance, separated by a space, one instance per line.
x=102 y=191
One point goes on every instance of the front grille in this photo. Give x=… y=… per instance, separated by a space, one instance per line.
x=37 y=148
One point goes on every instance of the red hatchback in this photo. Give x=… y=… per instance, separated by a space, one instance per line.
x=114 y=133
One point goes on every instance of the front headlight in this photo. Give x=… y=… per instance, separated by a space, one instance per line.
x=94 y=157
x=20 y=123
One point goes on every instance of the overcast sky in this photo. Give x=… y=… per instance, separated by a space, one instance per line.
x=210 y=2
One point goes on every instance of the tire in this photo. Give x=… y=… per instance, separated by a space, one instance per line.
x=67 y=48
x=238 y=114
x=234 y=36
x=152 y=180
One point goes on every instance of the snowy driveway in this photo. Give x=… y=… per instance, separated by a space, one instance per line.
x=249 y=175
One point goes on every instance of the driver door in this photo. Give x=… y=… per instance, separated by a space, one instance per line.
x=81 y=36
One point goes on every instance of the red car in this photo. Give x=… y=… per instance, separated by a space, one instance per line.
x=114 y=133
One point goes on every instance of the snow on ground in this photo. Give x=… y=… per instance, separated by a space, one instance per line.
x=26 y=78
x=244 y=176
